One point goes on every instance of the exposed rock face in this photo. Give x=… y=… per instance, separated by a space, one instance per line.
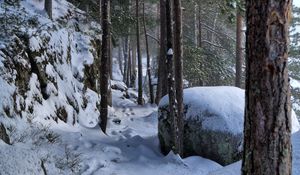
x=3 y=134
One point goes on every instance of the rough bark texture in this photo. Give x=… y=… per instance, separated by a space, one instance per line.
x=239 y=47
x=178 y=72
x=267 y=145
x=48 y=7
x=148 y=58
x=140 y=72
x=162 y=77
x=105 y=57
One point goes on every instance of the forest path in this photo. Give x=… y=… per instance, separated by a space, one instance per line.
x=131 y=147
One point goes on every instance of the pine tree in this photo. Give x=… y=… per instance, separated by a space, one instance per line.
x=139 y=57
x=105 y=57
x=178 y=73
x=267 y=130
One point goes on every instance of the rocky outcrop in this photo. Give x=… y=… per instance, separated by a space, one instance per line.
x=3 y=134
x=213 y=123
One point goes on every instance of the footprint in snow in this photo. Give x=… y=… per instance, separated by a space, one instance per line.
x=111 y=149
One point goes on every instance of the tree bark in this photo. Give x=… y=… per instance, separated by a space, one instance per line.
x=140 y=71
x=177 y=14
x=239 y=50
x=105 y=57
x=48 y=8
x=171 y=79
x=162 y=70
x=267 y=130
x=148 y=58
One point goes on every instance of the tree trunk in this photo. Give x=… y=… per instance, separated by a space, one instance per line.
x=267 y=132
x=196 y=29
x=128 y=67
x=200 y=27
x=161 y=89
x=239 y=50
x=120 y=61
x=148 y=59
x=133 y=69
x=171 y=79
x=140 y=71
x=48 y=8
x=105 y=57
x=177 y=13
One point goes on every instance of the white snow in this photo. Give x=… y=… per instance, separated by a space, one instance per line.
x=225 y=101
x=78 y=146
x=170 y=52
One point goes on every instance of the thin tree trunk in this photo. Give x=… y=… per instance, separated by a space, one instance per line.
x=105 y=57
x=267 y=130
x=162 y=76
x=133 y=69
x=148 y=58
x=48 y=7
x=177 y=14
x=120 y=62
x=128 y=67
x=140 y=72
x=200 y=27
x=239 y=50
x=125 y=53
x=171 y=80
x=196 y=30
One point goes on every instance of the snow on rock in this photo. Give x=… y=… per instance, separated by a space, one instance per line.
x=213 y=123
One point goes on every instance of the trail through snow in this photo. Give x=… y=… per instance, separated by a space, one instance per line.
x=130 y=147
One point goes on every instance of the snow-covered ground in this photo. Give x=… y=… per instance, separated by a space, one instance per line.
x=130 y=147
x=41 y=145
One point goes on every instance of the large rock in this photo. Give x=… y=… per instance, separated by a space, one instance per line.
x=213 y=123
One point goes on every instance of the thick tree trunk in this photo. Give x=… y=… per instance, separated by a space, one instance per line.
x=105 y=57
x=177 y=11
x=162 y=70
x=148 y=58
x=140 y=72
x=267 y=144
x=239 y=50
x=48 y=7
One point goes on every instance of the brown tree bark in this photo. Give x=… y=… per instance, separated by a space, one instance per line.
x=177 y=14
x=148 y=58
x=140 y=72
x=267 y=132
x=162 y=70
x=239 y=50
x=105 y=57
x=48 y=7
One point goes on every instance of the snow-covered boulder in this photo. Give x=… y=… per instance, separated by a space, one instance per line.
x=213 y=123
